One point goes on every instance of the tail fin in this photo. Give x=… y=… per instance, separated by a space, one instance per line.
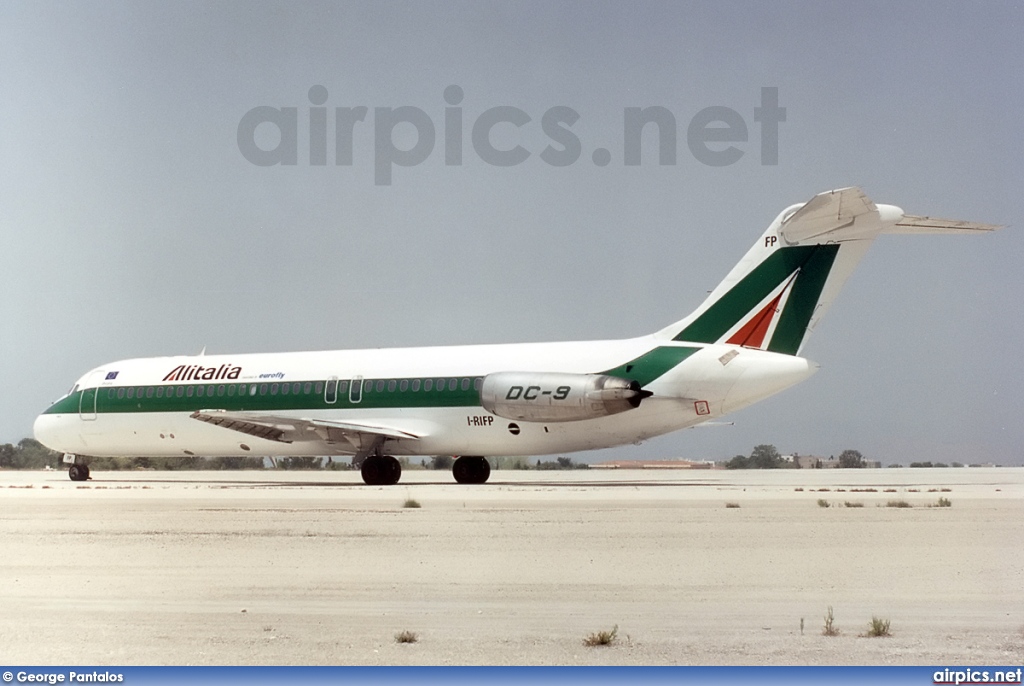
x=779 y=291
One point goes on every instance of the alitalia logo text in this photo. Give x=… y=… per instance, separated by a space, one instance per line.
x=191 y=372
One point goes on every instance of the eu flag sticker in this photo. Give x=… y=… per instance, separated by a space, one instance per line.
x=111 y=375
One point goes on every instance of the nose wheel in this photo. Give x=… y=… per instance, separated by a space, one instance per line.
x=79 y=472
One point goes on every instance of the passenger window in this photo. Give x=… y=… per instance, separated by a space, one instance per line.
x=231 y=390
x=110 y=393
x=428 y=384
x=453 y=384
x=331 y=395
x=440 y=384
x=149 y=392
x=120 y=393
x=191 y=391
x=343 y=387
x=180 y=392
x=273 y=389
x=263 y=389
x=416 y=386
x=355 y=393
x=201 y=391
x=380 y=385
x=159 y=391
x=253 y=389
x=319 y=387
x=285 y=389
x=308 y=388
x=465 y=384
x=220 y=390
x=478 y=383
x=392 y=385
x=404 y=386
x=209 y=391
x=296 y=388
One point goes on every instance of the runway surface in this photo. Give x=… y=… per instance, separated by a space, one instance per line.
x=316 y=568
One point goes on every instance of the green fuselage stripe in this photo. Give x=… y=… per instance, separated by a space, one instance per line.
x=313 y=395
x=652 y=365
x=238 y=397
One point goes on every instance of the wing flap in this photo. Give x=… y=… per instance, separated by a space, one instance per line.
x=291 y=429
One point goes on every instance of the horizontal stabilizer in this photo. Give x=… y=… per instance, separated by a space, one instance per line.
x=914 y=224
x=826 y=213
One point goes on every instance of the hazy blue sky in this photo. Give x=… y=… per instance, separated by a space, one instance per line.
x=132 y=226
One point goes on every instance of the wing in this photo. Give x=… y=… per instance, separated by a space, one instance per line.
x=359 y=435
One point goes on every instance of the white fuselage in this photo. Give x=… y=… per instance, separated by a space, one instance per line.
x=713 y=380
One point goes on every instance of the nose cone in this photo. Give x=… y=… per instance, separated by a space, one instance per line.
x=765 y=375
x=51 y=431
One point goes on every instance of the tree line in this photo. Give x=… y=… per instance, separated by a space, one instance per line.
x=766 y=456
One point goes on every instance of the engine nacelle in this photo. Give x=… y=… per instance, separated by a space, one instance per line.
x=557 y=397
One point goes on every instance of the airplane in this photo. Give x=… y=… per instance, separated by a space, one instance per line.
x=741 y=345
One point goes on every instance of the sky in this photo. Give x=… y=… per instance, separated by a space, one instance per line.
x=135 y=223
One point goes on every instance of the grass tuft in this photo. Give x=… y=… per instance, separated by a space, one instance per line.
x=898 y=503
x=601 y=638
x=944 y=502
x=406 y=637
x=732 y=505
x=878 y=628
x=830 y=627
x=851 y=504
x=409 y=502
x=822 y=502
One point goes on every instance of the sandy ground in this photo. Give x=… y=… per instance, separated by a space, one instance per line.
x=316 y=568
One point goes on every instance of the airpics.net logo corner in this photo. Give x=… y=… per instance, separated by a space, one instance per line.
x=715 y=135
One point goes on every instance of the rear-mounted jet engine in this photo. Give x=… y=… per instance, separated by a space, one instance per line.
x=556 y=397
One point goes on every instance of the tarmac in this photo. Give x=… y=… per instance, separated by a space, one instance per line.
x=689 y=566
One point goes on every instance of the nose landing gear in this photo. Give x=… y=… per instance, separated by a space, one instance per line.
x=78 y=470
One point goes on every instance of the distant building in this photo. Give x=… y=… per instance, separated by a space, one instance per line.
x=654 y=464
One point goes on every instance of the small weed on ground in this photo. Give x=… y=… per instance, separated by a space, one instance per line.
x=822 y=502
x=406 y=637
x=732 y=505
x=944 y=502
x=898 y=503
x=409 y=502
x=878 y=628
x=830 y=627
x=849 y=504
x=601 y=638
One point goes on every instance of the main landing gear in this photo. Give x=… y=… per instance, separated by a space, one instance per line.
x=381 y=470
x=471 y=469
x=385 y=470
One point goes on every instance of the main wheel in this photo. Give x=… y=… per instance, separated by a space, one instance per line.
x=381 y=470
x=78 y=472
x=471 y=469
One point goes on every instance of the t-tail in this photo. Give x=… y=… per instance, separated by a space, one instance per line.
x=782 y=287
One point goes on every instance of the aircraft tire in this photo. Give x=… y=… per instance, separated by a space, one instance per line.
x=78 y=472
x=381 y=470
x=471 y=469
x=392 y=470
